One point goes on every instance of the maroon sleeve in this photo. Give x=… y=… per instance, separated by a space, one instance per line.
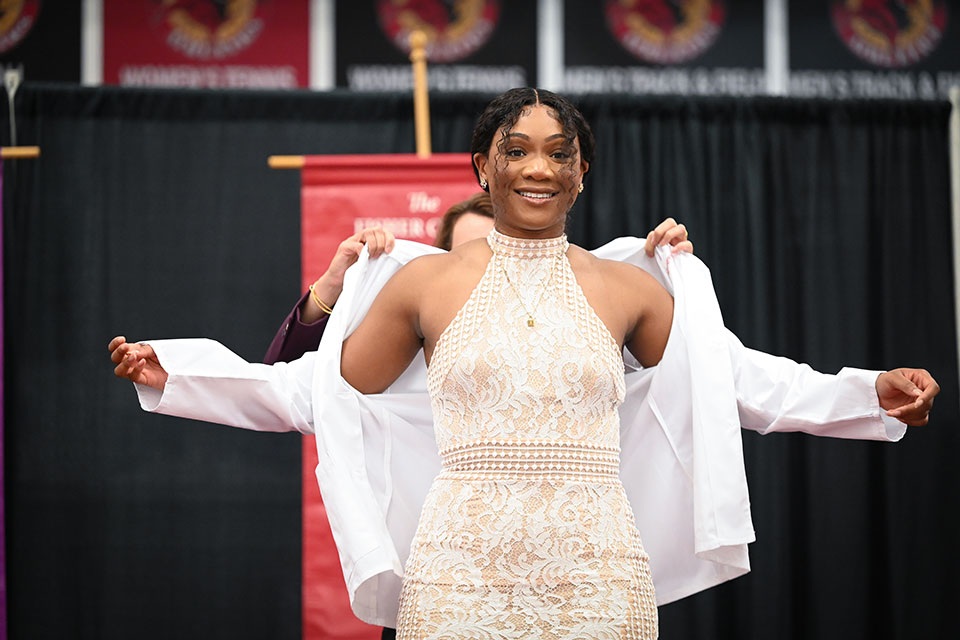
x=294 y=337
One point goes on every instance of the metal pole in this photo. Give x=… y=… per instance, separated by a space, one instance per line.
x=322 y=45
x=91 y=55
x=776 y=44
x=549 y=45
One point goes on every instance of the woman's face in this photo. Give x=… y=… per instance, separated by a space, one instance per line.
x=533 y=171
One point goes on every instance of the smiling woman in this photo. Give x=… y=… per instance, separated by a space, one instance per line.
x=535 y=145
x=522 y=333
x=526 y=529
x=527 y=151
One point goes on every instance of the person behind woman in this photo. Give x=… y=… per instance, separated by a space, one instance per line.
x=465 y=221
x=527 y=530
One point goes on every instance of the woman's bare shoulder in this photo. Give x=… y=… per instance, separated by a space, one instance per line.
x=425 y=265
x=472 y=252
x=614 y=272
x=630 y=274
x=429 y=271
x=466 y=252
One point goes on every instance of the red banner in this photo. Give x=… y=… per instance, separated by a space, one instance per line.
x=261 y=44
x=340 y=196
x=472 y=45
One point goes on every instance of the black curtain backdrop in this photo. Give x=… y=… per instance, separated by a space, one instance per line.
x=153 y=214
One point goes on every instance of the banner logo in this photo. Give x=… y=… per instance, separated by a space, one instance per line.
x=16 y=20
x=890 y=33
x=454 y=28
x=665 y=31
x=208 y=29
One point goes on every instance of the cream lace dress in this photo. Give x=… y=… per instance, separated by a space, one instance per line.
x=527 y=531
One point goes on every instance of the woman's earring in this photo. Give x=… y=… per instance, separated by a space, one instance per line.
x=483 y=183
x=580 y=188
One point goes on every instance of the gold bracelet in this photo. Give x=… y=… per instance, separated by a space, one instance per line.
x=327 y=309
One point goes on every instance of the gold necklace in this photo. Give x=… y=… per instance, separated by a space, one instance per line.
x=516 y=292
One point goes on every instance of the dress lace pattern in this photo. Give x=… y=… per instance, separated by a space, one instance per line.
x=527 y=531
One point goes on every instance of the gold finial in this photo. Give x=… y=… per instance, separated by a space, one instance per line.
x=418 y=43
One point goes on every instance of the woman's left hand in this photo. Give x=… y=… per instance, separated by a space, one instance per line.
x=907 y=394
x=668 y=232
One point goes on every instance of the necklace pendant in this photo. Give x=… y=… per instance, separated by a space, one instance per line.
x=530 y=322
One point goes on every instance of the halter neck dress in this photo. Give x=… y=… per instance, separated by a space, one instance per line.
x=527 y=532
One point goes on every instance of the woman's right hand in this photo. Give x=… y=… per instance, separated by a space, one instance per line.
x=137 y=362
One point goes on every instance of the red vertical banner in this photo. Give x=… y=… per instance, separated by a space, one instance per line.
x=259 y=44
x=341 y=195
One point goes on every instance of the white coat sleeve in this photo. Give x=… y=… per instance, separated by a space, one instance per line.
x=778 y=394
x=209 y=382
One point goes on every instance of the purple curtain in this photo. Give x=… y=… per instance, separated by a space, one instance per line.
x=3 y=545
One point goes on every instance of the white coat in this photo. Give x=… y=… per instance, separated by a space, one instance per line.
x=681 y=462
